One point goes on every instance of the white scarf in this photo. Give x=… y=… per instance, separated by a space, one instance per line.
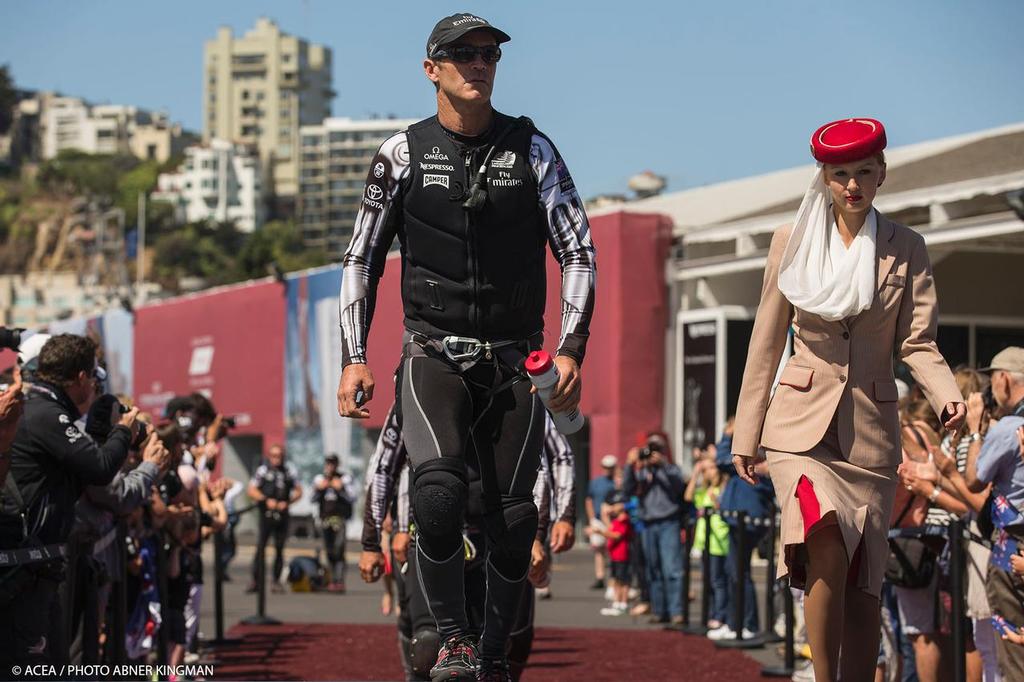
x=818 y=273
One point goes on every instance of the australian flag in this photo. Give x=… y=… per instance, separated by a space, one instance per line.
x=1004 y=515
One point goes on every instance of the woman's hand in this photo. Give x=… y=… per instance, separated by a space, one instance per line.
x=945 y=464
x=975 y=412
x=745 y=468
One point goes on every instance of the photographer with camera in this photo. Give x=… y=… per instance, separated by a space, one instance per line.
x=98 y=559
x=994 y=456
x=658 y=484
x=51 y=463
x=275 y=487
x=334 y=493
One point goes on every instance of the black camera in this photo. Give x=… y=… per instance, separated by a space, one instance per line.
x=646 y=452
x=141 y=428
x=989 y=400
x=229 y=422
x=10 y=338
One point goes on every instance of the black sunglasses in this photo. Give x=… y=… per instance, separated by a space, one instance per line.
x=464 y=54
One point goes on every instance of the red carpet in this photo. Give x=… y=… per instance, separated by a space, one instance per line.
x=370 y=652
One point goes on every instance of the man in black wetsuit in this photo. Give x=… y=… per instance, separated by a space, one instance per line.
x=387 y=492
x=473 y=196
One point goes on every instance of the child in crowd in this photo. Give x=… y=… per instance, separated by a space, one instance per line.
x=619 y=534
x=704 y=490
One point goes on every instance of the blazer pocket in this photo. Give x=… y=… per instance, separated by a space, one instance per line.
x=886 y=392
x=797 y=377
x=894 y=280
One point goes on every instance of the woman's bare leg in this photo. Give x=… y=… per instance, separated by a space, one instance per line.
x=824 y=603
x=860 y=636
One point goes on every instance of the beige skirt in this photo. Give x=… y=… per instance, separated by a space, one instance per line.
x=861 y=500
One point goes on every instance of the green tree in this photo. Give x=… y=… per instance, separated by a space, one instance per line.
x=8 y=98
x=278 y=242
x=79 y=171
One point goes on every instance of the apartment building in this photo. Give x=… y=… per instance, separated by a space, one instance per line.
x=258 y=89
x=219 y=182
x=335 y=159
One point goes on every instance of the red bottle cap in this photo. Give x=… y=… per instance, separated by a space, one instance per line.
x=538 y=362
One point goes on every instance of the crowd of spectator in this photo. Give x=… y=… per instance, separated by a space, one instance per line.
x=104 y=507
x=640 y=512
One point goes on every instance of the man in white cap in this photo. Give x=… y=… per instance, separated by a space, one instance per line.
x=597 y=492
x=994 y=457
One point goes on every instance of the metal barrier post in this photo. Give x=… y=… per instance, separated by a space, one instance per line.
x=687 y=571
x=789 y=655
x=163 y=643
x=769 y=583
x=119 y=602
x=701 y=628
x=957 y=590
x=740 y=597
x=261 y=617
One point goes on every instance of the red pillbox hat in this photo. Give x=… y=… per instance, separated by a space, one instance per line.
x=851 y=139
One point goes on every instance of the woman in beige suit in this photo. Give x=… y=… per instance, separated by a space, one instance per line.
x=856 y=290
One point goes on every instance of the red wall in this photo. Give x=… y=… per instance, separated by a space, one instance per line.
x=623 y=374
x=244 y=326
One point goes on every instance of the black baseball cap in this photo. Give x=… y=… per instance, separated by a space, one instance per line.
x=450 y=29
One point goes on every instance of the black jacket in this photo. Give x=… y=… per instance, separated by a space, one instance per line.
x=51 y=463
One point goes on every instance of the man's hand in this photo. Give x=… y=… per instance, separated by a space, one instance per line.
x=371 y=565
x=153 y=450
x=130 y=419
x=745 y=468
x=400 y=546
x=565 y=397
x=956 y=412
x=355 y=378
x=1020 y=440
x=633 y=456
x=1017 y=564
x=975 y=412
x=563 y=537
x=538 y=564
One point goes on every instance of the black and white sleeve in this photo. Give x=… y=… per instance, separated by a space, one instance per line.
x=375 y=229
x=569 y=237
x=382 y=476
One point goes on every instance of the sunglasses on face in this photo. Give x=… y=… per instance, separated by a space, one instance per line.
x=465 y=54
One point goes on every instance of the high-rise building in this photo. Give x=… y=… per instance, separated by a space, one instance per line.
x=218 y=182
x=258 y=90
x=335 y=159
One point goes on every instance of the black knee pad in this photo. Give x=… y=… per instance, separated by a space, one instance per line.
x=423 y=648
x=521 y=519
x=515 y=540
x=439 y=498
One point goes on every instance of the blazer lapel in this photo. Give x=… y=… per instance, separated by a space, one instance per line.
x=885 y=252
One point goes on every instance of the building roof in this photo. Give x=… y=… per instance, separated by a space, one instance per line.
x=948 y=161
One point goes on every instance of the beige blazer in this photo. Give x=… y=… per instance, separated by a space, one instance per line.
x=844 y=368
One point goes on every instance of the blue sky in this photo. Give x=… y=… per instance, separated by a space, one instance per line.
x=698 y=92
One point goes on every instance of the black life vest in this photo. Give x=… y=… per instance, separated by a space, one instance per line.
x=481 y=273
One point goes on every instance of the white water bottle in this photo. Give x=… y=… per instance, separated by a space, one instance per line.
x=542 y=372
